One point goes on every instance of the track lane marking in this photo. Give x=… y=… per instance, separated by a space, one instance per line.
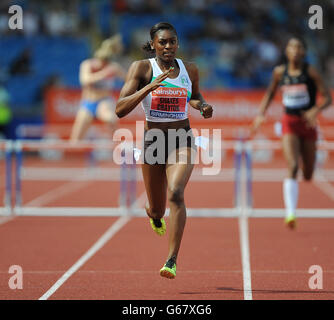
x=6 y=219
x=244 y=235
x=53 y=194
x=113 y=229
x=324 y=185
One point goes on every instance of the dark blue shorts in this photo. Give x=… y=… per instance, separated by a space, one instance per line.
x=170 y=141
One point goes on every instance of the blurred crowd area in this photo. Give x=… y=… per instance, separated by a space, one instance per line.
x=235 y=43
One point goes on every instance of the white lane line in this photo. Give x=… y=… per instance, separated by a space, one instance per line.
x=244 y=234
x=324 y=185
x=3 y=220
x=245 y=256
x=140 y=201
x=58 y=192
x=113 y=229
x=68 y=188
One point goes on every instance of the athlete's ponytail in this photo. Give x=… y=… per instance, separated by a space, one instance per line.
x=147 y=47
x=109 y=47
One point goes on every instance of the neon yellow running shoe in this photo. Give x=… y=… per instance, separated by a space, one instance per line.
x=159 y=226
x=290 y=222
x=169 y=269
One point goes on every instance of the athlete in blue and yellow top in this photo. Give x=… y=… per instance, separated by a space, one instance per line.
x=165 y=86
x=97 y=76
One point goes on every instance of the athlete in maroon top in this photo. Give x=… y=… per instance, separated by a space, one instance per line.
x=300 y=83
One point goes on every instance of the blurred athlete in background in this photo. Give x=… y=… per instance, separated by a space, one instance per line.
x=97 y=76
x=300 y=83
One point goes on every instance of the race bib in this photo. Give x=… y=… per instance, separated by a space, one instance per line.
x=169 y=103
x=295 y=96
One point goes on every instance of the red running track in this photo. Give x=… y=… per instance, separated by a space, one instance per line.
x=209 y=265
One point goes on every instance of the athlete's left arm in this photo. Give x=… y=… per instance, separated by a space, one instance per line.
x=197 y=101
x=119 y=70
x=311 y=114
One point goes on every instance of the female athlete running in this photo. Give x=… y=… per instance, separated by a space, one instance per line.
x=165 y=85
x=96 y=77
x=300 y=83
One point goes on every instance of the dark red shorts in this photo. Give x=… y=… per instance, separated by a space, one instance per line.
x=297 y=125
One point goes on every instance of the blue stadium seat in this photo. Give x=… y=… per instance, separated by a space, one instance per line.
x=23 y=90
x=50 y=56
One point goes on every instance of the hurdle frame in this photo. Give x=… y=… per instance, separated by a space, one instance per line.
x=14 y=151
x=7 y=147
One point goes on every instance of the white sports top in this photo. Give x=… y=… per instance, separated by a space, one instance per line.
x=170 y=102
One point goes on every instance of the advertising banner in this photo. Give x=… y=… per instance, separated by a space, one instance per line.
x=234 y=112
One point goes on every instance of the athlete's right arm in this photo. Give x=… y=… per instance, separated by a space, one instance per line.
x=130 y=96
x=268 y=96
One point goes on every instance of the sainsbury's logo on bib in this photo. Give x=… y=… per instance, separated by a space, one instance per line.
x=170 y=92
x=169 y=103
